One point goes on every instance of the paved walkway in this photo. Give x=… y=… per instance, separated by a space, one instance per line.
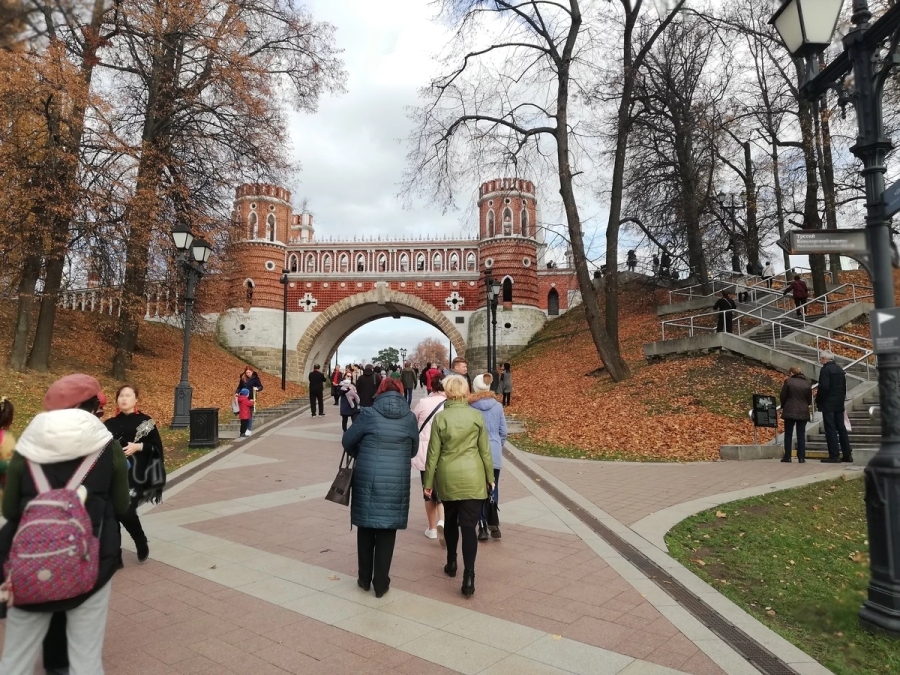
x=252 y=571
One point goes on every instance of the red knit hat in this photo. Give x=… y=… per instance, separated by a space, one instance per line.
x=71 y=391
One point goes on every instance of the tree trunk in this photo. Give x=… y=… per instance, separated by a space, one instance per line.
x=811 y=218
x=132 y=299
x=779 y=206
x=607 y=346
x=31 y=272
x=750 y=199
x=39 y=359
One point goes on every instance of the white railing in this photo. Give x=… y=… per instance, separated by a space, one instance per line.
x=856 y=293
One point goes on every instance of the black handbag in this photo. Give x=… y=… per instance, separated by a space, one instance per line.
x=339 y=492
x=492 y=511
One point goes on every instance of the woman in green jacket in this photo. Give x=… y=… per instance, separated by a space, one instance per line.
x=459 y=465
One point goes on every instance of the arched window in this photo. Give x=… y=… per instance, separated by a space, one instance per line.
x=293 y=263
x=326 y=262
x=470 y=262
x=507 y=290
x=420 y=262
x=525 y=229
x=552 y=303
x=490 y=223
x=310 y=263
x=382 y=263
x=249 y=285
x=252 y=225
x=453 y=265
x=344 y=262
x=270 y=227
x=404 y=262
x=507 y=221
x=360 y=263
x=437 y=262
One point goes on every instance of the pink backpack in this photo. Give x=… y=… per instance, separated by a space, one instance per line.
x=54 y=555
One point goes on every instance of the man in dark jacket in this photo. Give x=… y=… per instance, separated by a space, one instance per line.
x=408 y=380
x=830 y=397
x=725 y=307
x=317 y=390
x=366 y=386
x=383 y=439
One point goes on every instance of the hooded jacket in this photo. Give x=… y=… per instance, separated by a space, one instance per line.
x=59 y=441
x=459 y=461
x=383 y=439
x=495 y=420
x=408 y=378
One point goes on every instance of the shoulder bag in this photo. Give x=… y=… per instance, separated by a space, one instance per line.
x=339 y=492
x=434 y=412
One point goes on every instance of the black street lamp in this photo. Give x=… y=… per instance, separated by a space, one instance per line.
x=494 y=290
x=731 y=209
x=489 y=289
x=807 y=27
x=284 y=282
x=192 y=254
x=403 y=356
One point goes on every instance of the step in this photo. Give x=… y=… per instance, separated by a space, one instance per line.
x=855 y=439
x=812 y=446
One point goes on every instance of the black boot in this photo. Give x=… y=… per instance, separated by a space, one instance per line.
x=468 y=585
x=143 y=550
x=363 y=585
x=450 y=568
x=482 y=532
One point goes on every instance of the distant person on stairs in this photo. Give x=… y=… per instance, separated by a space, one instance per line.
x=830 y=397
x=800 y=291
x=317 y=390
x=796 y=397
x=724 y=305
x=768 y=273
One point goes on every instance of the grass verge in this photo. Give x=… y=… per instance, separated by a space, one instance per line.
x=529 y=444
x=797 y=560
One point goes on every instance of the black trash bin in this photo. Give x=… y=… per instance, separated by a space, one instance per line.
x=204 y=428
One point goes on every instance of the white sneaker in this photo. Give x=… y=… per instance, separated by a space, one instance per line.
x=248 y=432
x=431 y=534
x=440 y=533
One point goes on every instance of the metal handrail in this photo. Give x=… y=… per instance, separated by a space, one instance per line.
x=823 y=299
x=691 y=327
x=751 y=282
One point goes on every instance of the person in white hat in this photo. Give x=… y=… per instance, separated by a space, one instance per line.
x=485 y=402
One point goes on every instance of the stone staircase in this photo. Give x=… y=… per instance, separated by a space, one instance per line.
x=865 y=432
x=230 y=425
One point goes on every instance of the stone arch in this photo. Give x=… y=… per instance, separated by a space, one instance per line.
x=328 y=330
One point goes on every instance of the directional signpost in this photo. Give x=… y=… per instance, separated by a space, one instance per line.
x=885 y=324
x=892 y=200
x=851 y=243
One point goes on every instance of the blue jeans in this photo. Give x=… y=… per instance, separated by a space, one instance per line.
x=801 y=438
x=409 y=396
x=835 y=431
x=496 y=496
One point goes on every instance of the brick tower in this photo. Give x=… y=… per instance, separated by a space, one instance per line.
x=508 y=247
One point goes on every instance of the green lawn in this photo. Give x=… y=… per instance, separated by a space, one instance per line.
x=798 y=560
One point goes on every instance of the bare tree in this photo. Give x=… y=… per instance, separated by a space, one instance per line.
x=429 y=350
x=512 y=102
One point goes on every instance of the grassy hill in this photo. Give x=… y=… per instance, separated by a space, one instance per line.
x=678 y=409
x=84 y=343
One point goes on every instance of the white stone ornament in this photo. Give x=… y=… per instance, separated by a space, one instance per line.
x=455 y=301
x=308 y=302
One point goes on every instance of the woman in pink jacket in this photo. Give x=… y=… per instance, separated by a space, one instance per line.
x=425 y=411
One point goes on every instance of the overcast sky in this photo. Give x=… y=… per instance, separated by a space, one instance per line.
x=353 y=150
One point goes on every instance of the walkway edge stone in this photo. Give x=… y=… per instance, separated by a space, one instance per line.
x=705 y=639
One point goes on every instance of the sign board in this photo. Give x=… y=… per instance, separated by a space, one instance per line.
x=845 y=242
x=765 y=413
x=891 y=198
x=885 y=324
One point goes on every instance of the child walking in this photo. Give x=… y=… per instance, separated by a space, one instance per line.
x=245 y=404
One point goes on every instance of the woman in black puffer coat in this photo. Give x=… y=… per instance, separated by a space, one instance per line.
x=383 y=439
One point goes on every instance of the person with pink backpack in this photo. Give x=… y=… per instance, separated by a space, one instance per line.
x=66 y=484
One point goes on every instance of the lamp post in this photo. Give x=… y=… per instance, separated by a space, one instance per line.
x=731 y=209
x=403 y=356
x=192 y=254
x=496 y=289
x=489 y=289
x=284 y=282
x=807 y=27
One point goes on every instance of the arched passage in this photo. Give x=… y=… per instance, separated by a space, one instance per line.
x=329 y=329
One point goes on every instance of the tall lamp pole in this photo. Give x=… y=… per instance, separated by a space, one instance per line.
x=192 y=255
x=489 y=289
x=403 y=357
x=731 y=210
x=496 y=289
x=284 y=283
x=807 y=28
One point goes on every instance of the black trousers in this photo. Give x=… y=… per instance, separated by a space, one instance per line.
x=506 y=396
x=316 y=397
x=789 y=426
x=375 y=550
x=132 y=523
x=836 y=434
x=244 y=425
x=453 y=529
